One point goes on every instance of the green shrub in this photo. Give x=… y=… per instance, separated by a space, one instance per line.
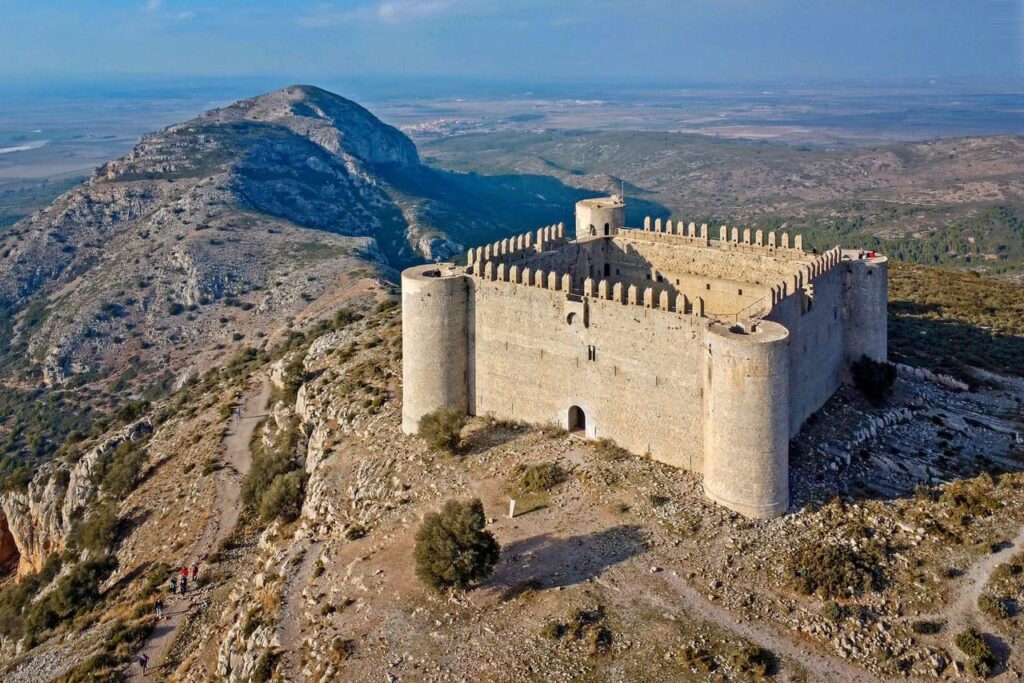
x=442 y=429
x=120 y=471
x=452 y=549
x=253 y=620
x=699 y=660
x=97 y=532
x=926 y=628
x=997 y=608
x=345 y=317
x=833 y=611
x=834 y=571
x=283 y=498
x=599 y=639
x=122 y=633
x=14 y=597
x=265 y=666
x=211 y=465
x=539 y=478
x=553 y=630
x=267 y=466
x=755 y=661
x=981 y=659
x=873 y=379
x=294 y=376
x=609 y=450
x=76 y=592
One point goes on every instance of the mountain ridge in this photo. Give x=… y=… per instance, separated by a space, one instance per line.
x=254 y=208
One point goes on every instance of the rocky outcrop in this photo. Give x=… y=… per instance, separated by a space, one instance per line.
x=37 y=521
x=926 y=375
x=249 y=633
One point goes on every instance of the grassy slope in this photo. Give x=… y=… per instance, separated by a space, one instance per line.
x=948 y=319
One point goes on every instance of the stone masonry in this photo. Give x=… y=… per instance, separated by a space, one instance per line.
x=706 y=354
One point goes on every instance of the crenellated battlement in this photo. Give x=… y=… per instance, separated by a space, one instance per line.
x=517 y=247
x=599 y=290
x=734 y=238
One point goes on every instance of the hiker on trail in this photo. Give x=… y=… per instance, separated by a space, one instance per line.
x=184 y=572
x=159 y=609
x=144 y=662
x=195 y=572
x=184 y=584
x=174 y=585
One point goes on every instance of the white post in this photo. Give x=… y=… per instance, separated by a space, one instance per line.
x=511 y=508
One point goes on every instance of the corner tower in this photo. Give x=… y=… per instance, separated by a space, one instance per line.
x=599 y=217
x=746 y=418
x=865 y=304
x=435 y=301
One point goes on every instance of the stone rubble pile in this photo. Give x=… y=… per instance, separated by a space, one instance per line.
x=926 y=375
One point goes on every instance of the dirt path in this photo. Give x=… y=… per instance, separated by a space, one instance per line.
x=291 y=622
x=963 y=611
x=820 y=666
x=237 y=460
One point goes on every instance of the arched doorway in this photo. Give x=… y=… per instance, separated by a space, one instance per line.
x=577 y=420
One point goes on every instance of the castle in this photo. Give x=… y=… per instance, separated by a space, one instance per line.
x=706 y=354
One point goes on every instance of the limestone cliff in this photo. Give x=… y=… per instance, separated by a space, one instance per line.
x=36 y=522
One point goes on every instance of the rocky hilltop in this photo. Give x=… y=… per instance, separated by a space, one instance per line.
x=223 y=353
x=228 y=227
x=615 y=563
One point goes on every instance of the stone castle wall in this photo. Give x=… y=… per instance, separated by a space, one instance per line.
x=534 y=354
x=705 y=354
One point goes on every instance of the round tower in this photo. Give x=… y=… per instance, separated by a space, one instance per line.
x=865 y=315
x=746 y=399
x=600 y=217
x=435 y=300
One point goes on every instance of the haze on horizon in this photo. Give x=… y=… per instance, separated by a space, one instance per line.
x=979 y=43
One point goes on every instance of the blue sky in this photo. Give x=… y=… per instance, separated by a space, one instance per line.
x=978 y=41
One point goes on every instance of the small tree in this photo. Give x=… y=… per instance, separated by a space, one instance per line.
x=981 y=659
x=452 y=548
x=442 y=429
x=283 y=498
x=874 y=379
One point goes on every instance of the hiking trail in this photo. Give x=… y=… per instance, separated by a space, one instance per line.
x=237 y=458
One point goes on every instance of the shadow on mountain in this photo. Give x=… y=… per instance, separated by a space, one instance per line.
x=545 y=561
x=474 y=209
x=950 y=347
